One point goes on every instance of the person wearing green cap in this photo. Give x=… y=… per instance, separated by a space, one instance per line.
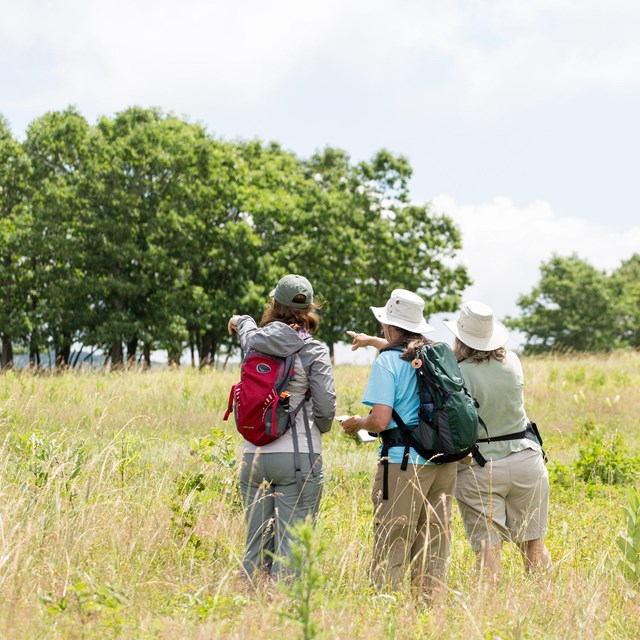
x=274 y=499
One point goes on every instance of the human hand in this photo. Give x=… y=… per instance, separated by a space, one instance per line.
x=232 y=325
x=359 y=339
x=351 y=424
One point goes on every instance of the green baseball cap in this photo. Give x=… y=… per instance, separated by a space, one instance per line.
x=291 y=286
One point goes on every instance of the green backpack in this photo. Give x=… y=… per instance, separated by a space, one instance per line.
x=447 y=417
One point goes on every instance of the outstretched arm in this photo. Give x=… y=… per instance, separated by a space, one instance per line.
x=365 y=340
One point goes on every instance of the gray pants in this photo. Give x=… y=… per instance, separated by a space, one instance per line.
x=272 y=503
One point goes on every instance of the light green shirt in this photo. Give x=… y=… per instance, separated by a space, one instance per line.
x=499 y=389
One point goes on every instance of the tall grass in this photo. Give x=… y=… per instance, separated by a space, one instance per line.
x=120 y=516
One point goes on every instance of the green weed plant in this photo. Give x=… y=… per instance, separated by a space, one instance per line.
x=629 y=540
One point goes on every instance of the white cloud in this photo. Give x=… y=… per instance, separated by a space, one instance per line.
x=504 y=245
x=200 y=53
x=186 y=54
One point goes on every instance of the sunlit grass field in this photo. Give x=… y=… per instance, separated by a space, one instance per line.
x=120 y=515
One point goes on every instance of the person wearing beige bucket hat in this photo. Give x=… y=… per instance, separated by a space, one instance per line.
x=476 y=328
x=508 y=498
x=412 y=523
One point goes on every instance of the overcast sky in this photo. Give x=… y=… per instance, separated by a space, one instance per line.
x=520 y=119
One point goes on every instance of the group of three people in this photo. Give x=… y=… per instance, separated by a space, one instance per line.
x=507 y=499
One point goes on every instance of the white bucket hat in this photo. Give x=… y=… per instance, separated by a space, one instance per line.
x=404 y=309
x=476 y=327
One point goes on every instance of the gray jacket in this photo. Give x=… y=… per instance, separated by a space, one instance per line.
x=313 y=372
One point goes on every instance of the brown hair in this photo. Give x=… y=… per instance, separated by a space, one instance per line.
x=409 y=342
x=296 y=318
x=464 y=352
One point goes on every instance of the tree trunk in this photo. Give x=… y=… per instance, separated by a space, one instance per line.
x=192 y=351
x=146 y=351
x=34 y=355
x=132 y=347
x=7 y=352
x=116 y=352
x=63 y=352
x=331 y=351
x=174 y=352
x=116 y=355
x=207 y=352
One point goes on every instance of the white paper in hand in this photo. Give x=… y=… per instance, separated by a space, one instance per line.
x=365 y=436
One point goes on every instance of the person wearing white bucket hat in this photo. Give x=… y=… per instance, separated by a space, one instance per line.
x=412 y=525
x=404 y=310
x=508 y=498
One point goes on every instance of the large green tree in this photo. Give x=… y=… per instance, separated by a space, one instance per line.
x=364 y=239
x=570 y=309
x=221 y=250
x=145 y=190
x=145 y=231
x=57 y=147
x=15 y=276
x=625 y=285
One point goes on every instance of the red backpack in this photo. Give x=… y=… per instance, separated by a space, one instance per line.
x=260 y=401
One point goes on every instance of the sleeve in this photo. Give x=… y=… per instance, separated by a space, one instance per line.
x=246 y=328
x=381 y=386
x=517 y=367
x=317 y=364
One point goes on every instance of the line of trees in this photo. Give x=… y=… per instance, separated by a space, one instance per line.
x=576 y=307
x=143 y=232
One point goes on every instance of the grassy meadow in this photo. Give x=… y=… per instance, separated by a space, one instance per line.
x=120 y=516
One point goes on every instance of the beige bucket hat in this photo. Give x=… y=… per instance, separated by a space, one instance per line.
x=404 y=309
x=476 y=327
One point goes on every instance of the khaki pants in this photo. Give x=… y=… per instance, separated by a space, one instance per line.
x=412 y=529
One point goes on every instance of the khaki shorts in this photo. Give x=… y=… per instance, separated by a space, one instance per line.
x=507 y=499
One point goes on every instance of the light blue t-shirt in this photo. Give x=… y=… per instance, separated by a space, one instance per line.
x=392 y=382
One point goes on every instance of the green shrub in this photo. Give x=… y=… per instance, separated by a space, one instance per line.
x=606 y=461
x=629 y=540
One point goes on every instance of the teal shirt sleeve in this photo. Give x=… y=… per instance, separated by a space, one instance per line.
x=392 y=382
x=381 y=384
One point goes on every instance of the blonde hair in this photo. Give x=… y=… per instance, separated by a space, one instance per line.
x=464 y=352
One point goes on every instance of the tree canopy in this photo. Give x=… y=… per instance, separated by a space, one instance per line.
x=576 y=307
x=143 y=231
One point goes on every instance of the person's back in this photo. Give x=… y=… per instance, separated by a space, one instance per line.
x=412 y=496
x=279 y=339
x=497 y=384
x=281 y=482
x=508 y=497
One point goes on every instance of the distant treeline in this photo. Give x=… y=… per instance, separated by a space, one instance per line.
x=576 y=307
x=144 y=231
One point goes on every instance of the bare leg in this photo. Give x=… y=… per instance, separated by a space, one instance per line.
x=535 y=554
x=489 y=562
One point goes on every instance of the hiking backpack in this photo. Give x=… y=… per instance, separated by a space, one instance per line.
x=447 y=415
x=260 y=401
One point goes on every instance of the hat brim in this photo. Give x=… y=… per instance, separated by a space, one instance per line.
x=497 y=339
x=421 y=327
